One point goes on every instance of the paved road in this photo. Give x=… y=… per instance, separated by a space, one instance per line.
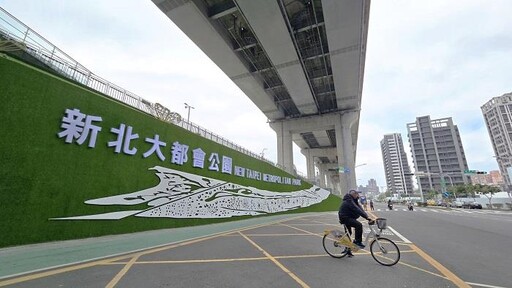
x=473 y=244
x=277 y=251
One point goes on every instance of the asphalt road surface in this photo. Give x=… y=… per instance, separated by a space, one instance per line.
x=473 y=244
x=439 y=248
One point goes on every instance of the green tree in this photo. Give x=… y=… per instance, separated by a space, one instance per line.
x=432 y=194
x=487 y=191
x=470 y=190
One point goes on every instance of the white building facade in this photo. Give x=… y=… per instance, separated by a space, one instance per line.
x=396 y=167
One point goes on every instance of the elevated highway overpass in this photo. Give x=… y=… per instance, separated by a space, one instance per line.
x=301 y=62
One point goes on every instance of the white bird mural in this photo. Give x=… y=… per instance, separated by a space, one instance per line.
x=184 y=195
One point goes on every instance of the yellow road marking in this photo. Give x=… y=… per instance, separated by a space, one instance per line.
x=290 y=273
x=449 y=275
x=362 y=252
x=123 y=271
x=129 y=255
x=191 y=261
x=50 y=273
x=452 y=277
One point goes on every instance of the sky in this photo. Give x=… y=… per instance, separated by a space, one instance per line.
x=431 y=57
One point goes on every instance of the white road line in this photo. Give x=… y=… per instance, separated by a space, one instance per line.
x=469 y=212
x=424 y=210
x=434 y=210
x=404 y=209
x=399 y=235
x=484 y=285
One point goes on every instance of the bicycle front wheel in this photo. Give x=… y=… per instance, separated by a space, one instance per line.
x=385 y=251
x=333 y=247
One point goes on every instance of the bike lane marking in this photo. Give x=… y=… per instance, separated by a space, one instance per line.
x=485 y=285
x=399 y=235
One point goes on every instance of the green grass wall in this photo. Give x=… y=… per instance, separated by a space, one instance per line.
x=42 y=176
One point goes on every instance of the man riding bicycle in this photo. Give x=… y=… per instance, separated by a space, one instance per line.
x=349 y=211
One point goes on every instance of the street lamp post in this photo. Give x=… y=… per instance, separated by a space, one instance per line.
x=451 y=183
x=188 y=107
x=359 y=165
x=263 y=152
x=418 y=175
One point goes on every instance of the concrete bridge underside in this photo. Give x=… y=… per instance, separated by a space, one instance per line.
x=301 y=62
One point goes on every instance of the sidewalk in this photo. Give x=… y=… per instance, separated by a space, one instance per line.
x=30 y=258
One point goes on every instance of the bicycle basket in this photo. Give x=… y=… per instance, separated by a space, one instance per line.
x=381 y=223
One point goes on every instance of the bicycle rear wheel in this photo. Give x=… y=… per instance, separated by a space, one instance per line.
x=333 y=247
x=385 y=251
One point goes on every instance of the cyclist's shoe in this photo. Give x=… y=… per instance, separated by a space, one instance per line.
x=359 y=244
x=349 y=254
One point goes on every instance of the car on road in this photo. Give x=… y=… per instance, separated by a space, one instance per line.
x=456 y=204
x=472 y=205
x=443 y=204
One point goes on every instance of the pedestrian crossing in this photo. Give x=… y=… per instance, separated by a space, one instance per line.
x=452 y=211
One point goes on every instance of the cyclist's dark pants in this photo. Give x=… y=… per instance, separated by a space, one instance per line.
x=356 y=224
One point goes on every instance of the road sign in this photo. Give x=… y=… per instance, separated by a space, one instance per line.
x=446 y=194
x=342 y=169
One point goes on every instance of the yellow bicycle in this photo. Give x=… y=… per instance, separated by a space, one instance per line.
x=337 y=243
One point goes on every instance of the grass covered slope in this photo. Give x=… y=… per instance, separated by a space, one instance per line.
x=43 y=177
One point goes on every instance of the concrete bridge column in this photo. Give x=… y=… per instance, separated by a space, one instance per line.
x=310 y=163
x=311 y=153
x=335 y=182
x=345 y=151
x=284 y=146
x=321 y=172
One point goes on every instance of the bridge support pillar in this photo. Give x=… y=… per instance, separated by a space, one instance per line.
x=284 y=147
x=321 y=172
x=345 y=151
x=310 y=163
x=334 y=180
x=312 y=153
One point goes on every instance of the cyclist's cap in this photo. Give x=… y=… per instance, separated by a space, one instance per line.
x=353 y=191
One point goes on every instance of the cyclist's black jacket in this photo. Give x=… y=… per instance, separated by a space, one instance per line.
x=351 y=209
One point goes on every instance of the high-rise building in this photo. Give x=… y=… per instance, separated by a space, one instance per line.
x=396 y=167
x=497 y=179
x=437 y=152
x=498 y=118
x=371 y=189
